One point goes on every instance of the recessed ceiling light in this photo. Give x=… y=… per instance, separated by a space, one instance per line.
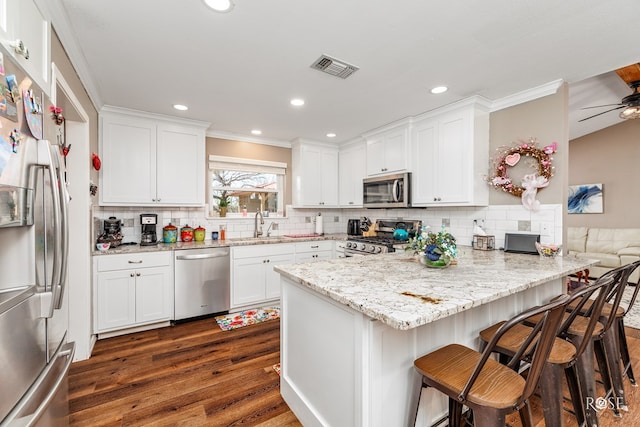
x=256 y=132
x=220 y=5
x=439 y=89
x=331 y=135
x=297 y=102
x=180 y=107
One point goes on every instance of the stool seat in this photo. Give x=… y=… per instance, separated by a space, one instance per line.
x=606 y=309
x=578 y=326
x=497 y=386
x=562 y=351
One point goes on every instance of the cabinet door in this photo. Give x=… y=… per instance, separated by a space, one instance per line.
x=352 y=170
x=128 y=149
x=272 y=279
x=425 y=166
x=375 y=156
x=395 y=150
x=116 y=299
x=454 y=160
x=34 y=31
x=153 y=294
x=329 y=178
x=248 y=281
x=180 y=165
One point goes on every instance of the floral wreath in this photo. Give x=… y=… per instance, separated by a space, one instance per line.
x=510 y=157
x=531 y=183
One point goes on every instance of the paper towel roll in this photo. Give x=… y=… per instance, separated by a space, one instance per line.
x=319 y=224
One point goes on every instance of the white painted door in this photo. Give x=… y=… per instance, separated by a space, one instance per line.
x=128 y=151
x=248 y=281
x=153 y=301
x=180 y=165
x=116 y=299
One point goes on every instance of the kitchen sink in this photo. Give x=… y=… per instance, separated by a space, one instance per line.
x=298 y=236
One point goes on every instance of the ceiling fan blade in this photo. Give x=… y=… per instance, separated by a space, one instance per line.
x=599 y=114
x=600 y=106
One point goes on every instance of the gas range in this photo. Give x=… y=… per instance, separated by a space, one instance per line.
x=384 y=241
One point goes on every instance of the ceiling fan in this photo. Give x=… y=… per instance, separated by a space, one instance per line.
x=630 y=103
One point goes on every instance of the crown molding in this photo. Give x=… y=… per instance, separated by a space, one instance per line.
x=57 y=14
x=526 y=95
x=153 y=116
x=246 y=138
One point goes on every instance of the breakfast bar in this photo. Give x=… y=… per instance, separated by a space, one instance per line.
x=351 y=328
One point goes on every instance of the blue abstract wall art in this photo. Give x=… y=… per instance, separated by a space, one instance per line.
x=585 y=198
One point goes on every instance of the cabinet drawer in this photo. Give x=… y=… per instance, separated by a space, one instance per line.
x=134 y=261
x=261 y=250
x=314 y=246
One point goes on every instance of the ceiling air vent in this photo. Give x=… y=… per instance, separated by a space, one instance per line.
x=334 y=67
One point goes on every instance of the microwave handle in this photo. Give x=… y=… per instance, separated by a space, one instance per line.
x=396 y=188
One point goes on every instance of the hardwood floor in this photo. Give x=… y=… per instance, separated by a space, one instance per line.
x=195 y=374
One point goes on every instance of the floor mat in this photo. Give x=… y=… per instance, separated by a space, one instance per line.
x=247 y=317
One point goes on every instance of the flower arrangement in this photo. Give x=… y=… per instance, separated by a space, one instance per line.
x=56 y=114
x=437 y=249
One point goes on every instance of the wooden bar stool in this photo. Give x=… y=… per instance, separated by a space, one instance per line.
x=613 y=345
x=564 y=355
x=492 y=390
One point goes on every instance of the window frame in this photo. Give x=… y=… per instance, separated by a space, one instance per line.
x=246 y=165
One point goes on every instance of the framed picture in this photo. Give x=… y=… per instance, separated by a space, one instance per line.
x=585 y=198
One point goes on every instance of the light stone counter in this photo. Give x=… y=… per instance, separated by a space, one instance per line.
x=373 y=285
x=130 y=249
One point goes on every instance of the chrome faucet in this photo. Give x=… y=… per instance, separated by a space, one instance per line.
x=269 y=229
x=258 y=230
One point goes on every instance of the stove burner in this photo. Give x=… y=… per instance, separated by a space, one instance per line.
x=384 y=241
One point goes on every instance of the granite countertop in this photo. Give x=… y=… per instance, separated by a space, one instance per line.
x=373 y=285
x=130 y=249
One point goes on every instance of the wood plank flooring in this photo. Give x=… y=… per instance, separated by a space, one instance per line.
x=195 y=374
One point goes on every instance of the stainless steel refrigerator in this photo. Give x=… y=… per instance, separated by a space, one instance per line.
x=34 y=353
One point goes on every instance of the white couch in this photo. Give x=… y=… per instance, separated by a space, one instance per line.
x=613 y=247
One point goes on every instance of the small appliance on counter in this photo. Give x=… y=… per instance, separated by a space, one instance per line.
x=353 y=227
x=112 y=232
x=149 y=236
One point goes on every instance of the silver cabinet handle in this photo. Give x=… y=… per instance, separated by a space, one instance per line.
x=203 y=256
x=135 y=262
x=314 y=246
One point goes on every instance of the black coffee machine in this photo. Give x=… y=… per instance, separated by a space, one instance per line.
x=149 y=236
x=112 y=232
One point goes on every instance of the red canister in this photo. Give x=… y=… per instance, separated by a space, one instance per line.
x=186 y=233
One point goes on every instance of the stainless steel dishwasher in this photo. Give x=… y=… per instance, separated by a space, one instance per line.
x=202 y=282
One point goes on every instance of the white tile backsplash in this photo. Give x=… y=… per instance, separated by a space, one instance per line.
x=496 y=220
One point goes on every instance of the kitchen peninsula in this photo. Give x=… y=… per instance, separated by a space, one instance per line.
x=351 y=328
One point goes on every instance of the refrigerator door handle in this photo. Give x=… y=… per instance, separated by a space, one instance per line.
x=18 y=414
x=63 y=196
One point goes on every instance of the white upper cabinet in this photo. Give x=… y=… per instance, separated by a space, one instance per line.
x=315 y=175
x=148 y=162
x=352 y=170
x=26 y=33
x=450 y=152
x=387 y=150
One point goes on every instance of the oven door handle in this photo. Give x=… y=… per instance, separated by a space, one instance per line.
x=396 y=188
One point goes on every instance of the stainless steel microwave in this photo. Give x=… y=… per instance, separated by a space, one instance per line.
x=388 y=191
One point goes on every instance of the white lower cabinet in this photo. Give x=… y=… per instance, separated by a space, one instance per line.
x=133 y=290
x=252 y=275
x=314 y=251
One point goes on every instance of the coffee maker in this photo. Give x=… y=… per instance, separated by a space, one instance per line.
x=149 y=236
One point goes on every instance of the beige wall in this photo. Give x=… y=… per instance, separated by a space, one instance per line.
x=60 y=58
x=545 y=120
x=248 y=150
x=610 y=156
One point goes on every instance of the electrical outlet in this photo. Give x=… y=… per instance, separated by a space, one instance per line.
x=274 y=226
x=307 y=219
x=446 y=222
x=336 y=219
x=524 y=225
x=545 y=230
